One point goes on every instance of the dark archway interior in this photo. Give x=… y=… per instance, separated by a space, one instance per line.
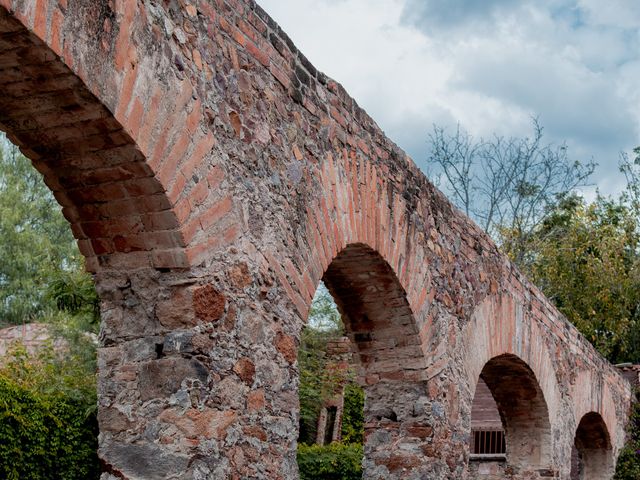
x=376 y=314
x=591 y=457
x=389 y=358
x=523 y=411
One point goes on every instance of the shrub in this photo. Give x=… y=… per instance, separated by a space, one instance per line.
x=45 y=436
x=353 y=414
x=48 y=424
x=336 y=461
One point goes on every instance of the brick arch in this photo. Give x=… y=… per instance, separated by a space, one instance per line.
x=354 y=204
x=500 y=336
x=389 y=356
x=377 y=315
x=590 y=394
x=123 y=155
x=523 y=410
x=592 y=454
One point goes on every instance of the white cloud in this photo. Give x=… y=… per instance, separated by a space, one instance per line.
x=487 y=65
x=612 y=13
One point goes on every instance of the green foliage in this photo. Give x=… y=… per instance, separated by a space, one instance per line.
x=73 y=291
x=48 y=425
x=317 y=381
x=36 y=240
x=584 y=257
x=330 y=462
x=353 y=414
x=628 y=466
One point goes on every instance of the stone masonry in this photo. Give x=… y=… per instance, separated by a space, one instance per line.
x=213 y=177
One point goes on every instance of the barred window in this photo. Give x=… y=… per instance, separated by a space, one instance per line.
x=488 y=442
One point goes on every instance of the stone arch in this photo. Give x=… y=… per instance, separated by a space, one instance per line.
x=98 y=174
x=593 y=403
x=356 y=205
x=592 y=453
x=378 y=318
x=523 y=410
x=383 y=333
x=501 y=338
x=124 y=154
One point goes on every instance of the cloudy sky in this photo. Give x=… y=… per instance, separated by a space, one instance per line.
x=490 y=65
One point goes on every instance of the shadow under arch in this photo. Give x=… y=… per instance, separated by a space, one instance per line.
x=119 y=211
x=592 y=453
x=523 y=411
x=390 y=361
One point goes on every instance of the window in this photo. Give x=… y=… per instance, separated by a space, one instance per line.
x=488 y=442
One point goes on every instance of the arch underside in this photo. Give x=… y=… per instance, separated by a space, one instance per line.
x=382 y=330
x=118 y=211
x=592 y=456
x=523 y=410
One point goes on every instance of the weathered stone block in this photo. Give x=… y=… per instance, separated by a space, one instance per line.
x=163 y=377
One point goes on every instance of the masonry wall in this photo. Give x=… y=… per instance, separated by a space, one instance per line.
x=212 y=177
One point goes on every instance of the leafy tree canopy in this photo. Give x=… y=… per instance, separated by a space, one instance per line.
x=40 y=264
x=584 y=257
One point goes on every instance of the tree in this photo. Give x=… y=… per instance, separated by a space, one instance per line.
x=504 y=183
x=628 y=466
x=36 y=243
x=630 y=168
x=584 y=257
x=319 y=382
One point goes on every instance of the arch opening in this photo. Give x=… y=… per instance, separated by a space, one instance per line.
x=119 y=212
x=330 y=398
x=509 y=421
x=591 y=453
x=49 y=320
x=387 y=357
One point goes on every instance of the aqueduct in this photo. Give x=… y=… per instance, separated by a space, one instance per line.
x=213 y=177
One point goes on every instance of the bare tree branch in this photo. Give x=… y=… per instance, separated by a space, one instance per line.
x=505 y=183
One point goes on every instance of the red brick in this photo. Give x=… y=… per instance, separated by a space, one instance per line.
x=169 y=167
x=160 y=221
x=150 y=117
x=134 y=119
x=199 y=194
x=280 y=76
x=126 y=94
x=143 y=187
x=215 y=213
x=175 y=258
x=40 y=19
x=177 y=188
x=258 y=53
x=127 y=11
x=202 y=149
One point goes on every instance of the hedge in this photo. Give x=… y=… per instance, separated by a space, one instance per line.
x=45 y=436
x=336 y=461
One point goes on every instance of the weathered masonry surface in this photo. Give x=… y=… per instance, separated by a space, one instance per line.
x=213 y=177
